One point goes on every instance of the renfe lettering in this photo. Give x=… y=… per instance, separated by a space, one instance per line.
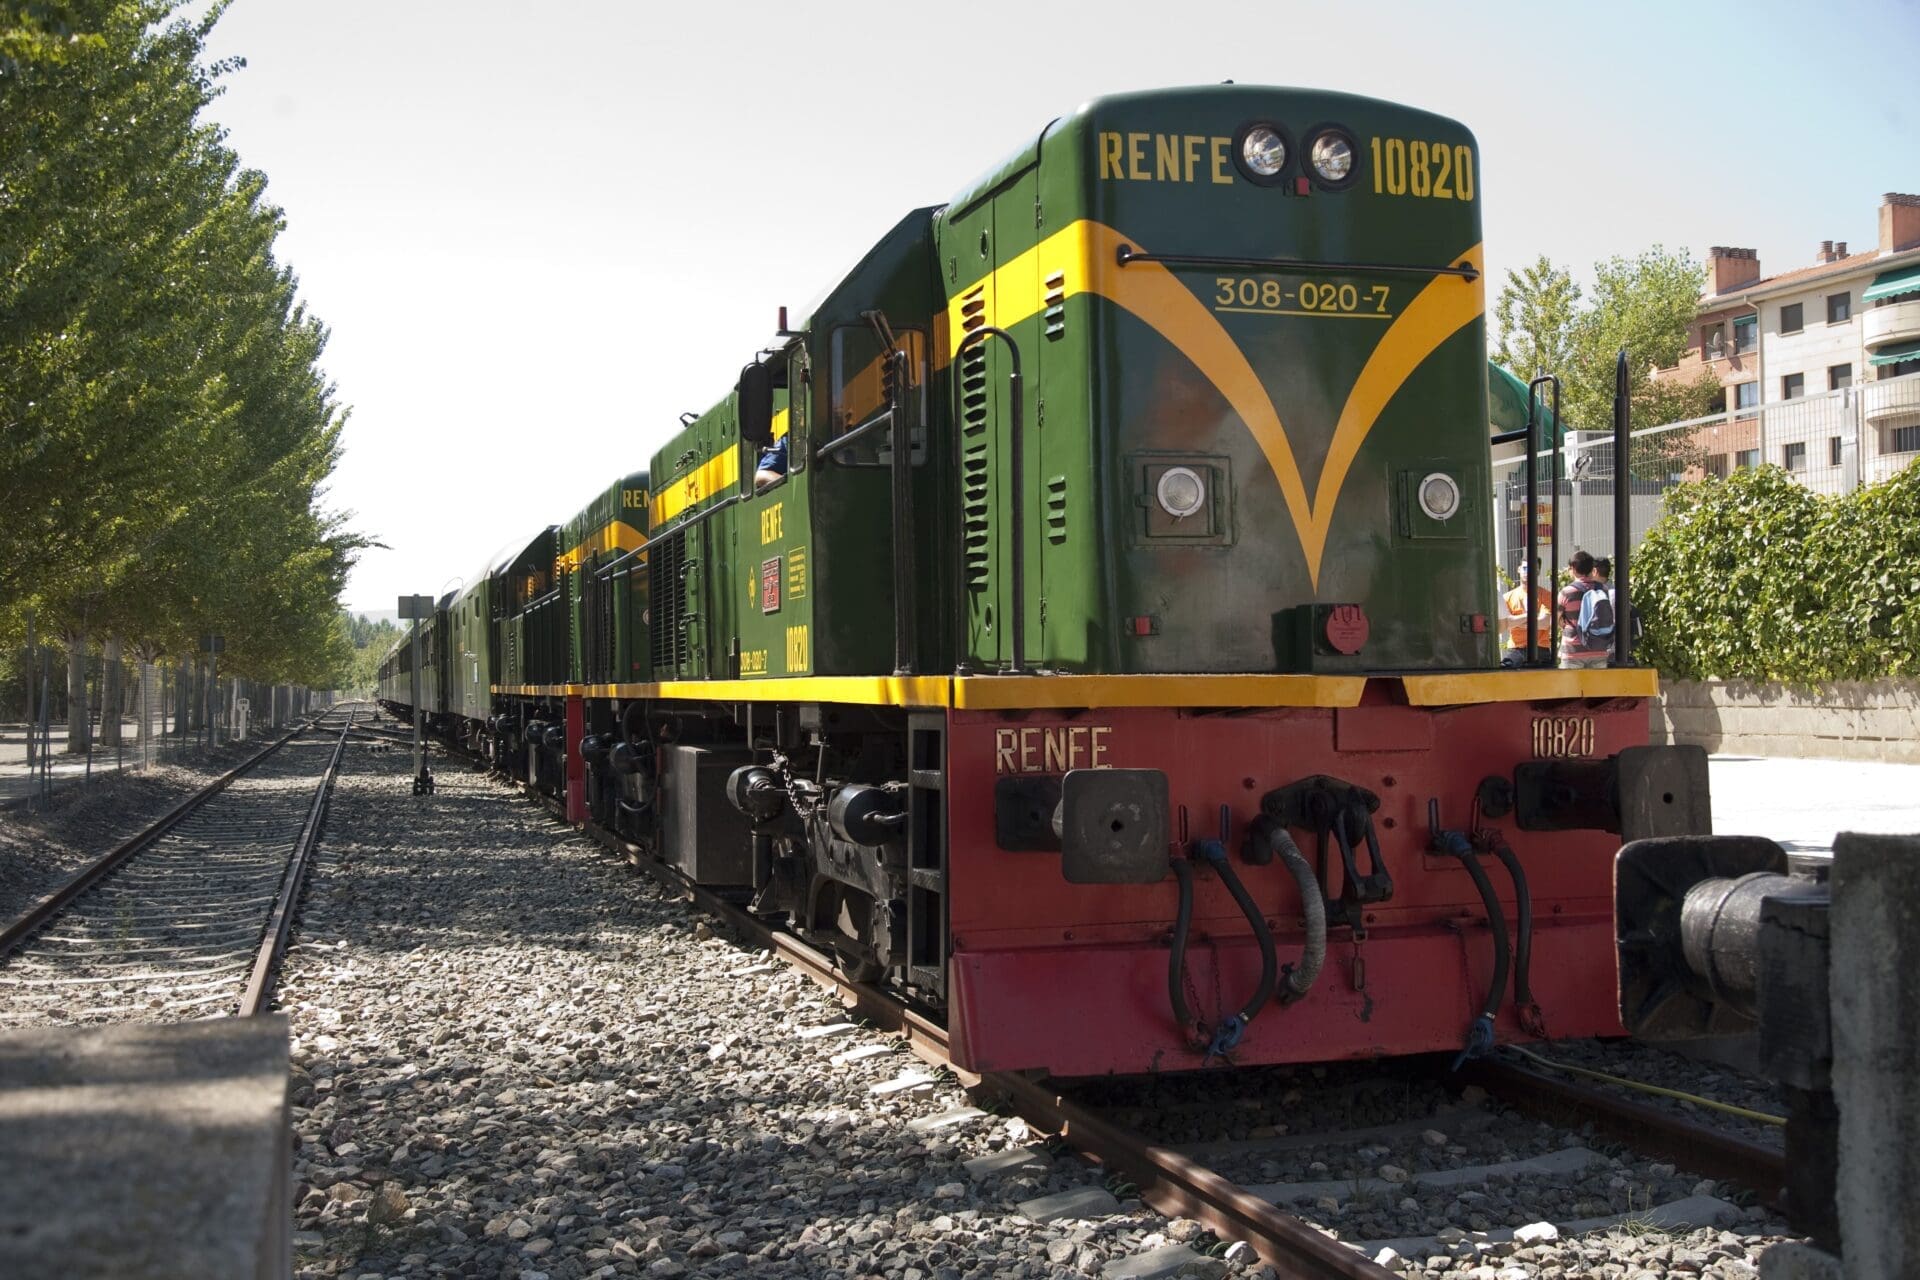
x=1052 y=748
x=1165 y=157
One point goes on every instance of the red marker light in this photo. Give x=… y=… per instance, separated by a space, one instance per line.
x=1302 y=187
x=1347 y=628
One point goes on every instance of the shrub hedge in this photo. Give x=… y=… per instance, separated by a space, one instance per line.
x=1756 y=577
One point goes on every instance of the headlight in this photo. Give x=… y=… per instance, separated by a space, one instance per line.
x=1264 y=150
x=1180 y=491
x=1332 y=157
x=1439 y=496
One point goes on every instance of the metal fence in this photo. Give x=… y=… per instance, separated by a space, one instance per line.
x=154 y=712
x=1833 y=443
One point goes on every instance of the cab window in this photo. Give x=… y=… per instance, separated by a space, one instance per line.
x=860 y=393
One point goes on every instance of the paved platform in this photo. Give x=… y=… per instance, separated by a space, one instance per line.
x=1803 y=804
x=145 y=1151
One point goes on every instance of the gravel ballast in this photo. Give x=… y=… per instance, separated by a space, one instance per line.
x=41 y=850
x=516 y=1056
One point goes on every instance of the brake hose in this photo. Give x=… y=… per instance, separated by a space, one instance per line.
x=1226 y=1036
x=1524 y=1003
x=1177 y=959
x=1313 y=907
x=1480 y=1033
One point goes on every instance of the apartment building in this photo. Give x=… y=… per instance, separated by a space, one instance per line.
x=1821 y=364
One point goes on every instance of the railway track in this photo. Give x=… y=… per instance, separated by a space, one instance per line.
x=188 y=918
x=1277 y=1219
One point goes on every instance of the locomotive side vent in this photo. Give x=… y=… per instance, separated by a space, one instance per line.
x=975 y=507
x=1056 y=508
x=1056 y=314
x=667 y=633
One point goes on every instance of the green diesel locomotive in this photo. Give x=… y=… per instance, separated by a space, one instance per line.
x=1106 y=535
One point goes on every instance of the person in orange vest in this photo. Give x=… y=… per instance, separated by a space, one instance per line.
x=1514 y=607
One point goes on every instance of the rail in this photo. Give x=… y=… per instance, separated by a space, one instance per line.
x=1177 y=1185
x=266 y=964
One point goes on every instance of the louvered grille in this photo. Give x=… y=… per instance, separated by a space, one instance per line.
x=1056 y=508
x=667 y=634
x=976 y=534
x=1056 y=313
x=599 y=637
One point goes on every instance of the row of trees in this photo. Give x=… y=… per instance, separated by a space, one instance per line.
x=371 y=639
x=1644 y=305
x=165 y=427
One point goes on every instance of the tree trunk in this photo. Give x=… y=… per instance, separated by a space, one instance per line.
x=79 y=721
x=111 y=696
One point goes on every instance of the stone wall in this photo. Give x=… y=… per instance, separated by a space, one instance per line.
x=1863 y=720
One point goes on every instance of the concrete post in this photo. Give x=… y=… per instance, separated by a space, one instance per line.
x=1875 y=992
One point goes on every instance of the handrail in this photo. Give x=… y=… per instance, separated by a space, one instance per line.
x=1532 y=565
x=1622 y=511
x=1127 y=253
x=842 y=441
x=1016 y=479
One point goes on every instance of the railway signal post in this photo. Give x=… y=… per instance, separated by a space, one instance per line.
x=417 y=609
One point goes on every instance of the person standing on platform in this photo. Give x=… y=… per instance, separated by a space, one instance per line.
x=1577 y=647
x=1514 y=607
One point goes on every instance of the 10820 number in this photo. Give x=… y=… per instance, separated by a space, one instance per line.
x=1416 y=167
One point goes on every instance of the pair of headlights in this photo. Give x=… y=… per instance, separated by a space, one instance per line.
x=1181 y=492
x=1264 y=152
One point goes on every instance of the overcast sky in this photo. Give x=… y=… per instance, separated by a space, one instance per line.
x=540 y=232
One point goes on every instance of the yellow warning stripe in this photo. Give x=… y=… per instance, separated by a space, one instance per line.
x=1531 y=686
x=1083 y=257
x=616 y=535
x=1012 y=693
x=714 y=476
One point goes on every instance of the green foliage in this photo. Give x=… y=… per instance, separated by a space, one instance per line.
x=370 y=641
x=1535 y=314
x=165 y=428
x=1640 y=305
x=1757 y=577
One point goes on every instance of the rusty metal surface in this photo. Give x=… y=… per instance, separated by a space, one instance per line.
x=266 y=964
x=1177 y=1186
x=1172 y=1183
x=1649 y=1129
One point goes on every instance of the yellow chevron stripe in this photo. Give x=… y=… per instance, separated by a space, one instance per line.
x=716 y=475
x=615 y=536
x=1083 y=255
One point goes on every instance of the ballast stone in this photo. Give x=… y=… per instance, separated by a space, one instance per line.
x=1080 y=1202
x=1168 y=1261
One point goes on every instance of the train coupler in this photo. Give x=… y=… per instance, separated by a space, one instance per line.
x=1343 y=812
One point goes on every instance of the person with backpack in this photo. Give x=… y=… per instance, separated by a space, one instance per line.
x=1586 y=617
x=1603 y=574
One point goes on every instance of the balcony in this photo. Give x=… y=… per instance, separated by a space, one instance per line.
x=1899 y=322
x=1893 y=401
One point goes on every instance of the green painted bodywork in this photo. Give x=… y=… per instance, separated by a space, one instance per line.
x=602 y=595
x=1115 y=399
x=1110 y=402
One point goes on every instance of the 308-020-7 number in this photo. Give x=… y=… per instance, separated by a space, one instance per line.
x=1308 y=297
x=1416 y=167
